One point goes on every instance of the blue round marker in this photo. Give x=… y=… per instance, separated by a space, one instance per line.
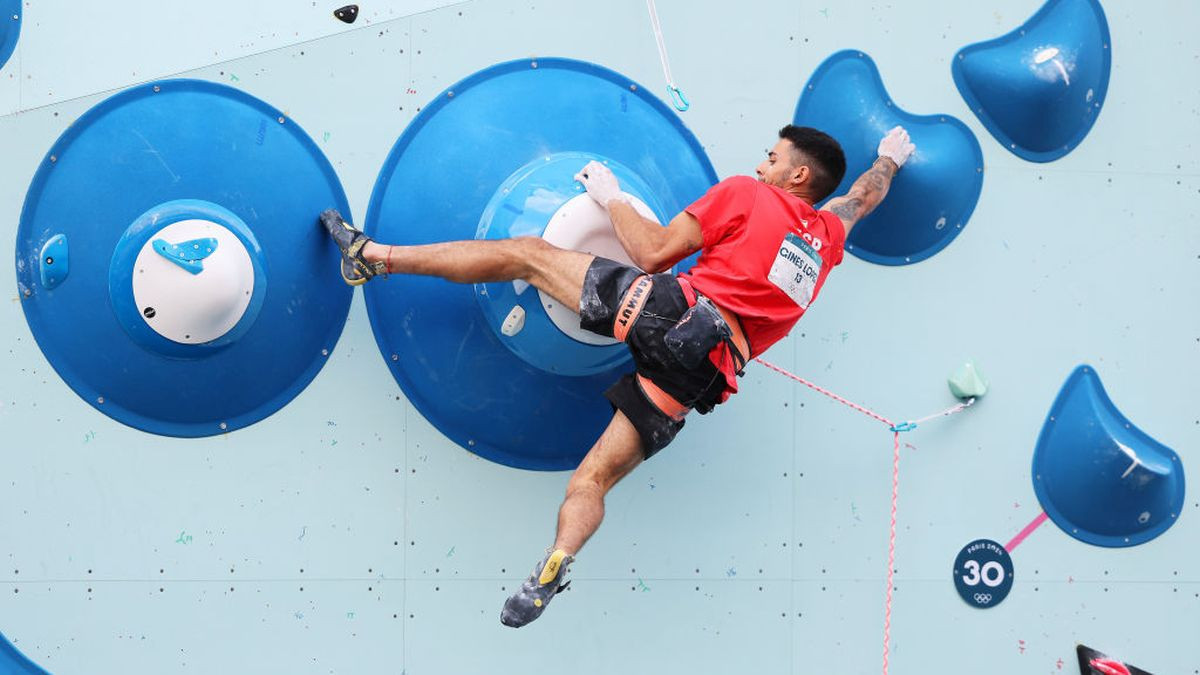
x=983 y=573
x=169 y=260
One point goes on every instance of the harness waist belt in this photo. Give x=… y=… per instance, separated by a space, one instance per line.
x=630 y=310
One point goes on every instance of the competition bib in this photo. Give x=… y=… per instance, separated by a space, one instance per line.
x=796 y=270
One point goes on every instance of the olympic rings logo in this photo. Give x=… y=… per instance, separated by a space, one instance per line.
x=983 y=598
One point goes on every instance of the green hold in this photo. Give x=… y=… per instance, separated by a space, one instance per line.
x=967 y=382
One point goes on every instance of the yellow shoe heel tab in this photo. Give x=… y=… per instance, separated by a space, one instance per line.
x=553 y=563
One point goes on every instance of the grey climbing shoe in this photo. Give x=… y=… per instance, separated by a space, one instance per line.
x=350 y=240
x=530 y=601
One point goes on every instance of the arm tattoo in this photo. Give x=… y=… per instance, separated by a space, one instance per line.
x=868 y=191
x=846 y=208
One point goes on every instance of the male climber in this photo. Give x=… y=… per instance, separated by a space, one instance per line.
x=765 y=253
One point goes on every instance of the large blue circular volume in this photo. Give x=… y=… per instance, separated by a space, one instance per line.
x=480 y=137
x=10 y=28
x=13 y=662
x=169 y=260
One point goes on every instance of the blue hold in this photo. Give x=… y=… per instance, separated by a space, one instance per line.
x=13 y=662
x=54 y=262
x=173 y=151
x=1039 y=89
x=932 y=197
x=525 y=404
x=1100 y=478
x=188 y=255
x=10 y=28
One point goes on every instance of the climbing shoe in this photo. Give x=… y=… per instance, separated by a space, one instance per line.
x=350 y=240
x=530 y=601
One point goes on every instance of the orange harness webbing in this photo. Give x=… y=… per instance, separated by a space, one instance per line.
x=628 y=313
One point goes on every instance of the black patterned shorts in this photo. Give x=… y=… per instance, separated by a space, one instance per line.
x=600 y=310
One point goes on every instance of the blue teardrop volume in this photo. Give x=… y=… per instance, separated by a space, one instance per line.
x=1100 y=478
x=523 y=394
x=194 y=349
x=932 y=197
x=1039 y=89
x=10 y=28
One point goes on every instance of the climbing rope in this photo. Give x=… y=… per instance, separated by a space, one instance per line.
x=896 y=430
x=677 y=98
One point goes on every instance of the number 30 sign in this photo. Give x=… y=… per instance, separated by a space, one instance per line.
x=983 y=573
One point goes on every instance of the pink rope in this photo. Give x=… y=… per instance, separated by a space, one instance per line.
x=887 y=609
x=830 y=394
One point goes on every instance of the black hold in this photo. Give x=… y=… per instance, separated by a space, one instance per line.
x=1092 y=662
x=347 y=14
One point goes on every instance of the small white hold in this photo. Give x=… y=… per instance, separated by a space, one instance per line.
x=514 y=322
x=1144 y=517
x=941 y=222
